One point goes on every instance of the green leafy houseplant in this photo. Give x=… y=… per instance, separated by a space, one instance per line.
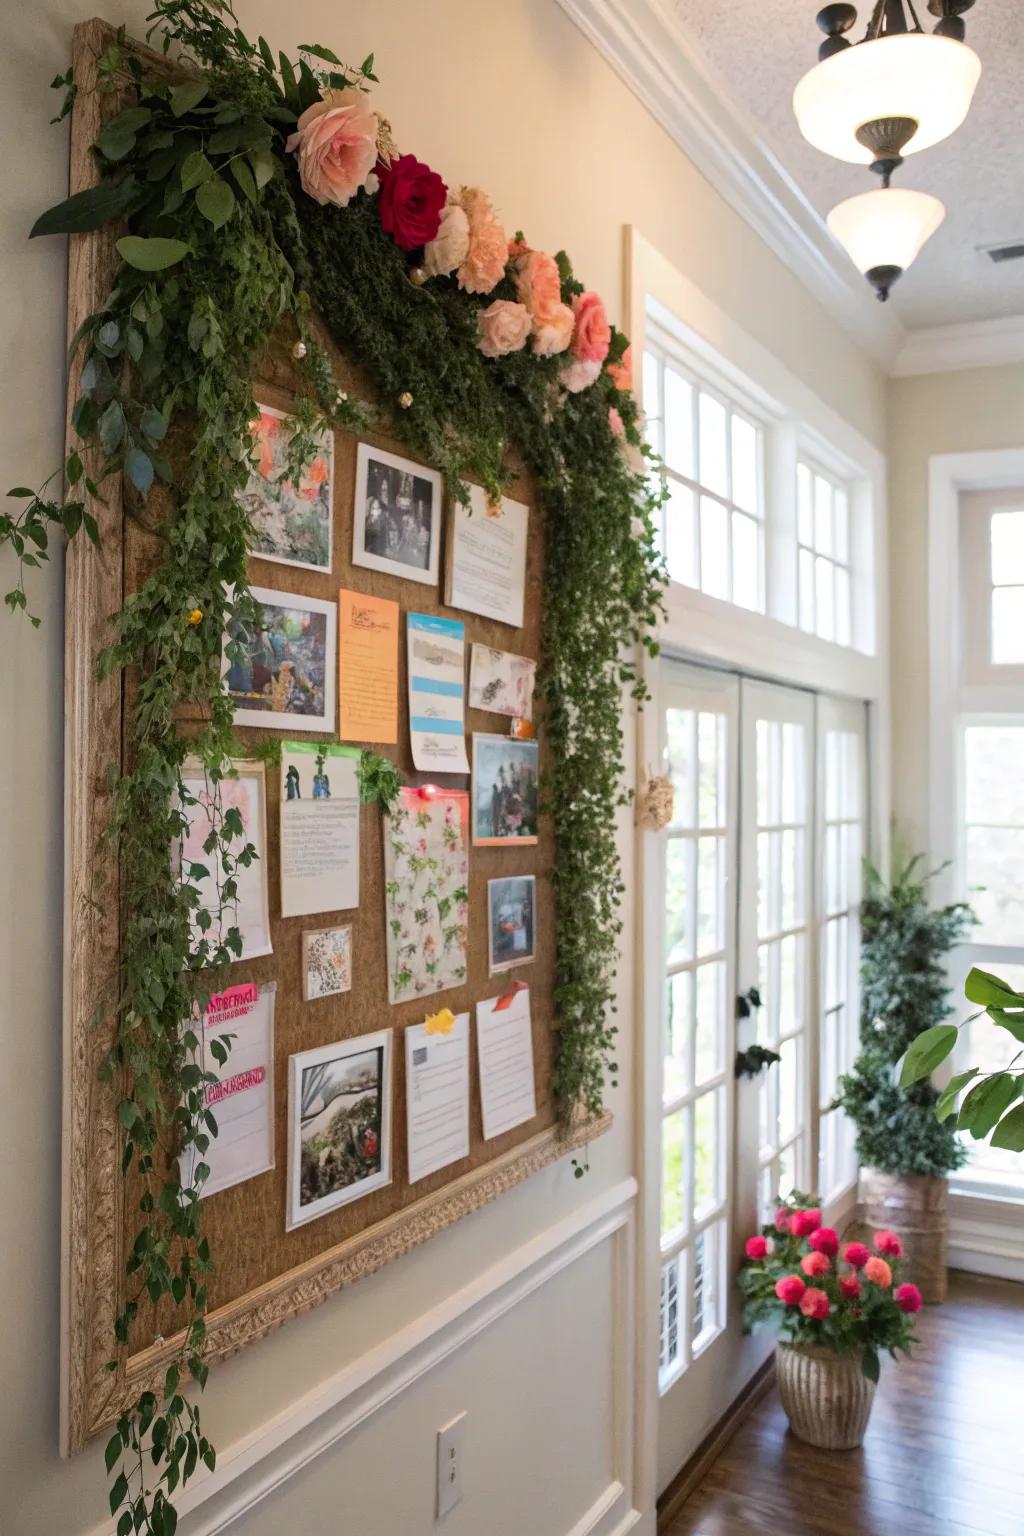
x=903 y=987
x=222 y=251
x=993 y=1102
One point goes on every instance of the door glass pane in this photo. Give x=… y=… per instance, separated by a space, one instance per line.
x=652 y=402
x=804 y=505
x=706 y=1193
x=679 y=899
x=822 y=515
x=672 y=1137
x=678 y=1023
x=710 y=1019
x=994 y=830
x=680 y=763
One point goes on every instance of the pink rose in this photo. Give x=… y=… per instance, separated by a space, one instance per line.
x=592 y=336
x=878 y=1272
x=621 y=373
x=856 y=1254
x=888 y=1244
x=850 y=1287
x=756 y=1247
x=483 y=265
x=814 y=1303
x=504 y=327
x=336 y=143
x=553 y=334
x=824 y=1240
x=616 y=425
x=448 y=248
x=909 y=1298
x=815 y=1264
x=538 y=284
x=578 y=375
x=790 y=1289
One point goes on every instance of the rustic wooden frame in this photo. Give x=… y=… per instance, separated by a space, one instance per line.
x=92 y=1270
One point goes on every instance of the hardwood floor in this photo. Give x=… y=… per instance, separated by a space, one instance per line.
x=944 y=1454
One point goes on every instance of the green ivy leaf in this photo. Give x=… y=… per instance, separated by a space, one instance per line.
x=195 y=169
x=215 y=201
x=90 y=209
x=927 y=1051
x=264 y=166
x=151 y=254
x=187 y=95
x=242 y=174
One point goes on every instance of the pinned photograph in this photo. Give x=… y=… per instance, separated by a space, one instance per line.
x=397 y=516
x=284 y=672
x=292 y=520
x=339 y=1131
x=326 y=962
x=505 y=790
x=501 y=682
x=510 y=914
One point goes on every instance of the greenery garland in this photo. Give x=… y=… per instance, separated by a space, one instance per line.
x=223 y=248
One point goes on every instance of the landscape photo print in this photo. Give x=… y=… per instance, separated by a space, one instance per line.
x=339 y=1111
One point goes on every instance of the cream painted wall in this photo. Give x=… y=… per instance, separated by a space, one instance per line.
x=528 y=110
x=963 y=412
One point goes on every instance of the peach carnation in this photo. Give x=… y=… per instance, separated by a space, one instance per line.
x=504 y=327
x=449 y=246
x=578 y=375
x=335 y=141
x=878 y=1272
x=483 y=266
x=814 y=1303
x=553 y=334
x=815 y=1264
x=621 y=373
x=593 y=335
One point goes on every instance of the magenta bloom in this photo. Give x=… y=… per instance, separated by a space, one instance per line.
x=888 y=1244
x=790 y=1289
x=856 y=1254
x=850 y=1287
x=908 y=1297
x=803 y=1223
x=756 y=1247
x=824 y=1240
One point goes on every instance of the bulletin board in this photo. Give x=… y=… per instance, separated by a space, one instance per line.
x=264 y=1274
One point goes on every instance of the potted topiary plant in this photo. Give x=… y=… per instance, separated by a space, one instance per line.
x=905 y=1153
x=835 y=1307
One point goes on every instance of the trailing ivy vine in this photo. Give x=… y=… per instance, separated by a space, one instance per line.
x=223 y=249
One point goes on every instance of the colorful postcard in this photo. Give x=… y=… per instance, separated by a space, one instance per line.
x=292 y=522
x=486 y=569
x=511 y=911
x=203 y=811
x=501 y=682
x=326 y=962
x=437 y=693
x=285 y=673
x=396 y=520
x=243 y=1097
x=505 y=790
x=426 y=886
x=339 y=1125
x=319 y=815
x=367 y=668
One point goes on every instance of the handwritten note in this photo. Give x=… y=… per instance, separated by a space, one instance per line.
x=437 y=1096
x=487 y=569
x=319 y=828
x=368 y=667
x=243 y=1099
x=504 y=1041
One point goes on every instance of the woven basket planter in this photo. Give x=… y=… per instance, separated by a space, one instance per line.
x=914 y=1206
x=827 y=1397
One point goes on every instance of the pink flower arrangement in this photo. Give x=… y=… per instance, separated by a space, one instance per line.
x=593 y=335
x=888 y=1244
x=824 y=1240
x=554 y=333
x=335 y=141
x=782 y=1219
x=483 y=265
x=850 y=1286
x=504 y=327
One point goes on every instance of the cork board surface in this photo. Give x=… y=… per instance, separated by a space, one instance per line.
x=246 y=1224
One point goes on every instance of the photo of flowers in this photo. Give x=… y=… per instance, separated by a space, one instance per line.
x=283 y=671
x=326 y=962
x=396 y=522
x=510 y=921
x=339 y=1125
x=292 y=521
x=426 y=892
x=505 y=790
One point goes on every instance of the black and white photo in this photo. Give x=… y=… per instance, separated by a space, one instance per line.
x=397 y=516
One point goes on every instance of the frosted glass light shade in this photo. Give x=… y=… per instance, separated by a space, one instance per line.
x=906 y=74
x=887 y=227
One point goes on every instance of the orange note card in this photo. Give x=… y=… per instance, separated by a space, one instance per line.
x=367 y=667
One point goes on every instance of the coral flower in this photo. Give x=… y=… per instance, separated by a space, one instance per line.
x=888 y=1243
x=850 y=1286
x=483 y=266
x=856 y=1254
x=878 y=1272
x=756 y=1247
x=814 y=1303
x=789 y=1289
x=824 y=1240
x=593 y=335
x=336 y=143
x=621 y=373
x=908 y=1297
x=815 y=1264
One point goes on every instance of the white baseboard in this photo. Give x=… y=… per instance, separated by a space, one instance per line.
x=258 y=1463
x=986 y=1236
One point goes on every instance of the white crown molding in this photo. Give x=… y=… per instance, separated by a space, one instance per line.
x=972 y=344
x=645 y=44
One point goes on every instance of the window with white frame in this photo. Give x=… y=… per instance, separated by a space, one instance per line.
x=711 y=450
x=823 y=555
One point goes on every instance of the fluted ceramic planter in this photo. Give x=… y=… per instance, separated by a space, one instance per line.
x=827 y=1397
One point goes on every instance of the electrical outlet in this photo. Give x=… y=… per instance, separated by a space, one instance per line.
x=450 y=1443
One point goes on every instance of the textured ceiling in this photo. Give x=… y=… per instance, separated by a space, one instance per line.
x=760 y=48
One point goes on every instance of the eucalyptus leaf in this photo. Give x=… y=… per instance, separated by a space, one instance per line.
x=111 y=427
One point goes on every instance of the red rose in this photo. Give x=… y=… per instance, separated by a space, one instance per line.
x=411 y=199
x=908 y=1298
x=850 y=1286
x=790 y=1289
x=856 y=1254
x=824 y=1240
x=756 y=1247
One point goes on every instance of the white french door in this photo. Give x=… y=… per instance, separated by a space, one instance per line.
x=750 y=916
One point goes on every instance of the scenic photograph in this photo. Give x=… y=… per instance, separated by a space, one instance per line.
x=505 y=790
x=340 y=1125
x=292 y=520
x=285 y=674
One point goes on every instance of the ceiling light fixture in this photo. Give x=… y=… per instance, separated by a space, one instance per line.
x=883 y=231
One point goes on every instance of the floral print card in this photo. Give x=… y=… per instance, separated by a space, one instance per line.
x=426 y=875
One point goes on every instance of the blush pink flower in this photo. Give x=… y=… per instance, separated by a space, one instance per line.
x=578 y=375
x=824 y=1240
x=503 y=327
x=888 y=1243
x=621 y=373
x=593 y=335
x=908 y=1297
x=790 y=1289
x=553 y=334
x=335 y=141
x=856 y=1254
x=850 y=1286
x=782 y=1218
x=617 y=427
x=756 y=1247
x=449 y=246
x=483 y=265
x=814 y=1303
x=878 y=1272
x=538 y=284
x=815 y=1264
